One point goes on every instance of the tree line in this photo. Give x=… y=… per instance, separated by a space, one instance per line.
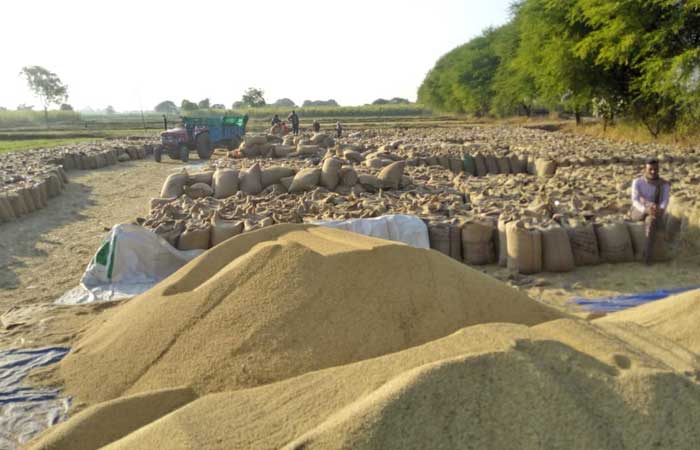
x=632 y=58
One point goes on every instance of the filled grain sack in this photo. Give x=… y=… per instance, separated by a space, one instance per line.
x=330 y=173
x=518 y=165
x=174 y=185
x=614 y=242
x=35 y=191
x=348 y=176
x=468 y=164
x=557 y=255
x=273 y=175
x=369 y=182
x=584 y=243
x=205 y=177
x=480 y=165
x=222 y=229
x=305 y=180
x=439 y=235
x=282 y=151
x=44 y=190
x=524 y=248
x=28 y=200
x=502 y=241
x=444 y=161
x=225 y=182
x=54 y=185
x=353 y=156
x=456 y=242
x=195 y=238
x=545 y=167
x=661 y=248
x=455 y=165
x=308 y=150
x=6 y=212
x=62 y=173
x=432 y=161
x=676 y=214
x=491 y=164
x=254 y=140
x=477 y=242
x=503 y=164
x=390 y=176
x=199 y=190
x=16 y=201
x=250 y=180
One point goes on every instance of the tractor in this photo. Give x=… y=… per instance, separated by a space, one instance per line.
x=202 y=134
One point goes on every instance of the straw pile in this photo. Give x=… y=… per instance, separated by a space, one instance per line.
x=280 y=302
x=563 y=384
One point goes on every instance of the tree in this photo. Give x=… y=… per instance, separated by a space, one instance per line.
x=253 y=98
x=237 y=105
x=187 y=105
x=24 y=107
x=399 y=101
x=285 y=102
x=65 y=107
x=330 y=102
x=203 y=104
x=2 y=108
x=166 y=107
x=46 y=85
x=218 y=106
x=110 y=110
x=380 y=101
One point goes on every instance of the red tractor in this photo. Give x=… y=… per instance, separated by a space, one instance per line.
x=202 y=134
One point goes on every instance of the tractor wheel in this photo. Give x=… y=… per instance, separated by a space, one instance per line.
x=158 y=153
x=184 y=153
x=204 y=147
x=235 y=143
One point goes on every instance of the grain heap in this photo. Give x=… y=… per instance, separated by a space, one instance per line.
x=280 y=302
x=675 y=318
x=562 y=384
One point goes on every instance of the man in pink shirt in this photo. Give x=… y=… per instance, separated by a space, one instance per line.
x=646 y=202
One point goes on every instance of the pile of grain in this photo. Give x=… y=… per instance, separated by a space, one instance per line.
x=282 y=301
x=676 y=317
x=563 y=384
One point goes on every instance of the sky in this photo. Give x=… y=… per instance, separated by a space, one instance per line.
x=134 y=54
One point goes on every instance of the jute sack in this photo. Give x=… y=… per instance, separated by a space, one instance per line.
x=557 y=255
x=35 y=191
x=353 y=156
x=195 y=238
x=390 y=176
x=545 y=167
x=584 y=243
x=492 y=165
x=330 y=173
x=250 y=181
x=444 y=161
x=369 y=182
x=281 y=151
x=503 y=164
x=502 y=241
x=28 y=200
x=54 y=185
x=286 y=182
x=517 y=165
x=223 y=229
x=308 y=149
x=205 y=177
x=62 y=173
x=6 y=212
x=273 y=175
x=455 y=165
x=524 y=248
x=456 y=242
x=676 y=215
x=305 y=180
x=348 y=176
x=468 y=164
x=439 y=235
x=44 y=190
x=91 y=163
x=254 y=140
x=614 y=242
x=156 y=203
x=199 y=190
x=68 y=161
x=531 y=166
x=225 y=182
x=100 y=160
x=432 y=161
x=16 y=201
x=174 y=185
x=661 y=250
x=56 y=173
x=477 y=242
x=480 y=165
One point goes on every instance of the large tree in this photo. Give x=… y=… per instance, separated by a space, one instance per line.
x=203 y=104
x=187 y=105
x=253 y=97
x=166 y=107
x=46 y=85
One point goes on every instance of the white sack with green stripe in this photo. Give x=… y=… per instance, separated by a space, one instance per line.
x=130 y=261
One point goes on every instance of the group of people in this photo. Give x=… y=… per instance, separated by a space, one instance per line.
x=293 y=119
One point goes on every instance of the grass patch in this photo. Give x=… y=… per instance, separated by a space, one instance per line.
x=24 y=140
x=28 y=144
x=631 y=132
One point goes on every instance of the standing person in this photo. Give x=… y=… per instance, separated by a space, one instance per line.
x=294 y=120
x=316 y=126
x=644 y=193
x=276 y=120
x=338 y=129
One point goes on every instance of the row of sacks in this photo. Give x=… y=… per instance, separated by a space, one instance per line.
x=480 y=165
x=332 y=175
x=31 y=194
x=528 y=248
x=103 y=157
x=271 y=146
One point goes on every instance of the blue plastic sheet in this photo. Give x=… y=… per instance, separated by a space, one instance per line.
x=26 y=411
x=620 y=302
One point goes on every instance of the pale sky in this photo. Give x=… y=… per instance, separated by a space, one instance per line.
x=131 y=53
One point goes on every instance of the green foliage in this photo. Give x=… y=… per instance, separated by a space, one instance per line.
x=203 y=104
x=166 y=107
x=110 y=110
x=286 y=102
x=266 y=112
x=187 y=105
x=65 y=107
x=330 y=102
x=253 y=98
x=45 y=84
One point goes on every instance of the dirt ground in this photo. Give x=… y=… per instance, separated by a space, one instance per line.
x=44 y=254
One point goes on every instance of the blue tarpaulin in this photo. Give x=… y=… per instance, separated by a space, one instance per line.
x=620 y=302
x=26 y=411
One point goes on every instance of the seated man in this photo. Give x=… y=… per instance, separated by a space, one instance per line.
x=646 y=201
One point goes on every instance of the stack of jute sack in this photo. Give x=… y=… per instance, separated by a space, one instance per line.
x=23 y=194
x=274 y=146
